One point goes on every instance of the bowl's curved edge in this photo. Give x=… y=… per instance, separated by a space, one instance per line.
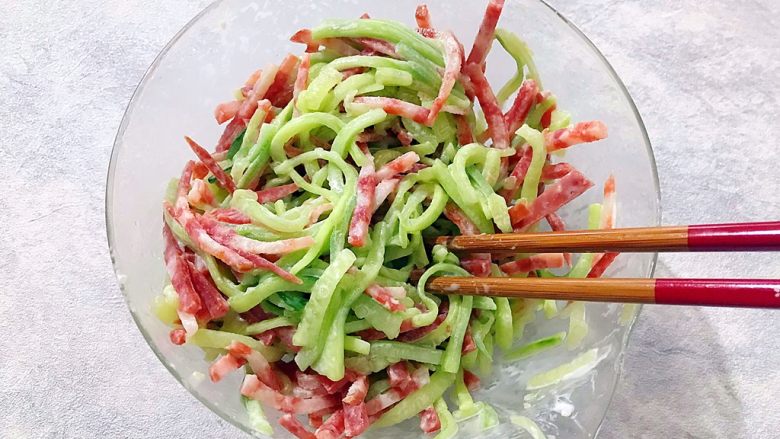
x=109 y=210
x=153 y=67
x=656 y=181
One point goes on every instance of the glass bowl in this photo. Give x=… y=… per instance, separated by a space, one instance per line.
x=231 y=38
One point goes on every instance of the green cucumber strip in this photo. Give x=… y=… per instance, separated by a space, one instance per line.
x=449 y=426
x=418 y=400
x=234 y=147
x=504 y=323
x=397 y=351
x=378 y=316
x=531 y=182
x=209 y=338
x=527 y=424
x=356 y=326
x=483 y=302
x=267 y=325
x=452 y=354
x=387 y=30
x=535 y=347
x=581 y=365
x=321 y=293
x=257 y=419
x=357 y=345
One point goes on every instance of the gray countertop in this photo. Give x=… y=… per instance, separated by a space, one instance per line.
x=704 y=75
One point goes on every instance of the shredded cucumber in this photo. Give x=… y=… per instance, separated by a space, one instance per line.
x=449 y=426
x=267 y=325
x=527 y=424
x=504 y=329
x=582 y=364
x=578 y=326
x=354 y=344
x=535 y=347
x=524 y=59
x=257 y=418
x=209 y=338
x=166 y=305
x=377 y=316
x=466 y=406
x=488 y=418
x=531 y=182
x=403 y=351
x=421 y=398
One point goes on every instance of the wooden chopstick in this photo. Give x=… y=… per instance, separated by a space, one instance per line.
x=762 y=236
x=755 y=293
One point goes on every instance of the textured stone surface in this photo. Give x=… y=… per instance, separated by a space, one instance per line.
x=704 y=76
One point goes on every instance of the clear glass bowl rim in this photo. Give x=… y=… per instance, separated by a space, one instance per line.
x=152 y=68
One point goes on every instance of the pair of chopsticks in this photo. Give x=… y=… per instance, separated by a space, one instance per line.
x=755 y=293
